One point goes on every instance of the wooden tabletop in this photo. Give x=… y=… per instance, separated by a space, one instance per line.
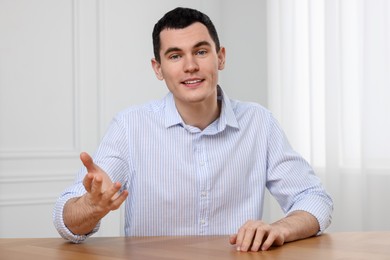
x=354 y=245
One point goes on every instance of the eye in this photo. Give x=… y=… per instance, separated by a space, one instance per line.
x=174 y=56
x=201 y=52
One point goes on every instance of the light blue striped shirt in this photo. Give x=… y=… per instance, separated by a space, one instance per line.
x=184 y=181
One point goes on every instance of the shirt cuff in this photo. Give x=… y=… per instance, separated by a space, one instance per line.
x=321 y=208
x=59 y=224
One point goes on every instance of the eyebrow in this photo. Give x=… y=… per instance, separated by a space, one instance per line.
x=199 y=44
x=202 y=43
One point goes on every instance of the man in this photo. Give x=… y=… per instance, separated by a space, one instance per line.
x=195 y=162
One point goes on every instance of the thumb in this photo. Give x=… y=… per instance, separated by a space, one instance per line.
x=88 y=162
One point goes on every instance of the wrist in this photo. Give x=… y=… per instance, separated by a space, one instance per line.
x=284 y=228
x=90 y=209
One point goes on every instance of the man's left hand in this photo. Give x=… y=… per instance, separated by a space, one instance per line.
x=256 y=235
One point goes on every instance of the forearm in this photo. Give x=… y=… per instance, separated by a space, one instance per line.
x=297 y=225
x=79 y=217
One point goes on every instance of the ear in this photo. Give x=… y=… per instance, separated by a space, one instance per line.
x=157 y=69
x=221 y=58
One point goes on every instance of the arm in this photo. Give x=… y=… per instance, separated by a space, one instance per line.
x=291 y=180
x=82 y=214
x=257 y=235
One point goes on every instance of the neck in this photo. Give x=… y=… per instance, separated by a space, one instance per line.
x=200 y=115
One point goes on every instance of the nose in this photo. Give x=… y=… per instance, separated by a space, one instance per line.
x=190 y=64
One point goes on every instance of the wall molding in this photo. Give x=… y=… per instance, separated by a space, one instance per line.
x=76 y=48
x=37 y=178
x=29 y=201
x=75 y=68
x=100 y=59
x=38 y=154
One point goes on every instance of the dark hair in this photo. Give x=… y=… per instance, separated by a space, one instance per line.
x=180 y=18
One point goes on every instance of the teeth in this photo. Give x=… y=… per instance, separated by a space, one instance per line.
x=192 y=81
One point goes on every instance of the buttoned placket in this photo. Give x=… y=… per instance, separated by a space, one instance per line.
x=203 y=183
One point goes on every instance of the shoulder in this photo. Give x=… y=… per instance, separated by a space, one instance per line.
x=250 y=109
x=150 y=108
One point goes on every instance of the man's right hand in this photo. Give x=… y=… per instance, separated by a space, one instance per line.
x=102 y=194
x=82 y=214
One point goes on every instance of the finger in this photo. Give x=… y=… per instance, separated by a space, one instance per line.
x=96 y=189
x=258 y=240
x=88 y=162
x=269 y=241
x=112 y=192
x=87 y=182
x=249 y=237
x=233 y=239
x=240 y=237
x=106 y=197
x=273 y=239
x=119 y=200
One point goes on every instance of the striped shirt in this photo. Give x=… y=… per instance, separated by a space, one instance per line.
x=186 y=181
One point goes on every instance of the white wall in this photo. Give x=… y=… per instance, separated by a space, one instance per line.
x=66 y=67
x=243 y=33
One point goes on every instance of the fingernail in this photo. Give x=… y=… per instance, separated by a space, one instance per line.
x=238 y=248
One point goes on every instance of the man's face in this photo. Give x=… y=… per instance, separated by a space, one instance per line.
x=189 y=64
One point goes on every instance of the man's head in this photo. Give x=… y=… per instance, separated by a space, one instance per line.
x=180 y=18
x=188 y=58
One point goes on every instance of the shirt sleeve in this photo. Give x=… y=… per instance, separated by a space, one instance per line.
x=58 y=219
x=292 y=181
x=111 y=156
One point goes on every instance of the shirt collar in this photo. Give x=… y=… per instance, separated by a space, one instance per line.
x=172 y=116
x=226 y=118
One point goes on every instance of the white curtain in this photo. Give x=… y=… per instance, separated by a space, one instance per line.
x=329 y=86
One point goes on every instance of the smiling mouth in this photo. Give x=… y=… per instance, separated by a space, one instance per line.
x=192 y=83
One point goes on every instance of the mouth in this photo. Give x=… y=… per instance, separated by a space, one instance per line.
x=191 y=83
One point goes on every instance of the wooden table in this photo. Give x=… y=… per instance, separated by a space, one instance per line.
x=354 y=245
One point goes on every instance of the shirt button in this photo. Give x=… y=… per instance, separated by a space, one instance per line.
x=203 y=194
x=201 y=163
x=202 y=221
